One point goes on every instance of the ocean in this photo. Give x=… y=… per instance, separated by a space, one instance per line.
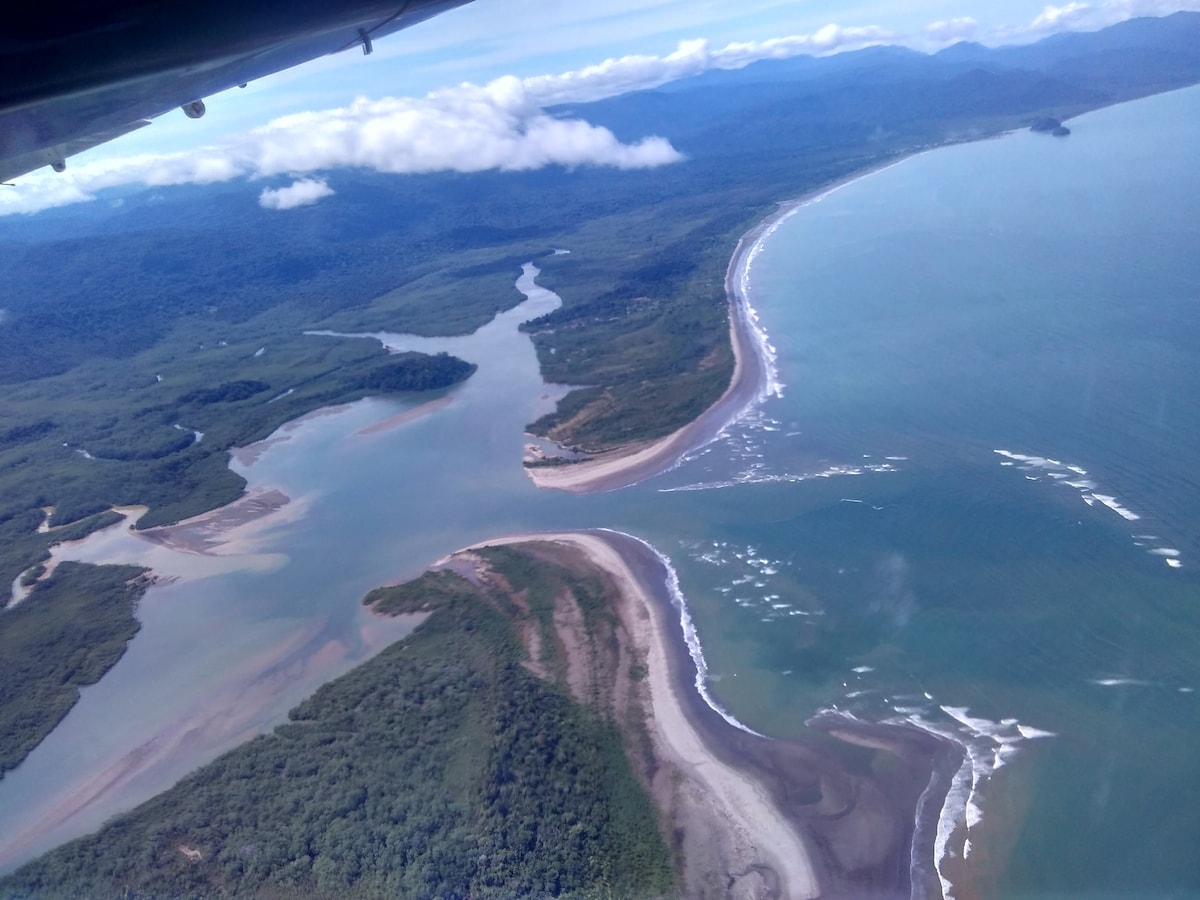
x=970 y=507
x=974 y=507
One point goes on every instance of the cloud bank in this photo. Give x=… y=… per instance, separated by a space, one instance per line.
x=628 y=73
x=504 y=125
x=949 y=31
x=469 y=128
x=304 y=192
x=1081 y=16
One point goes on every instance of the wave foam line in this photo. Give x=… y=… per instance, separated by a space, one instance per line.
x=737 y=283
x=946 y=824
x=740 y=283
x=985 y=746
x=755 y=477
x=690 y=635
x=771 y=385
x=1074 y=476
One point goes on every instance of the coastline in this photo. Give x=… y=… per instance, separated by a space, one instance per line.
x=754 y=376
x=728 y=827
x=800 y=813
x=208 y=534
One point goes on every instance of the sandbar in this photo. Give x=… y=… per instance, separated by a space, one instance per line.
x=229 y=529
x=408 y=415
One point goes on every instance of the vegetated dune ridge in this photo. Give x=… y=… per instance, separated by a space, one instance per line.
x=748 y=816
x=754 y=379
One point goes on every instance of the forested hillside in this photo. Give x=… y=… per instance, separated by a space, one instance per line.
x=445 y=767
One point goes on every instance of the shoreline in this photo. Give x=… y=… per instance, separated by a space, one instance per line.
x=867 y=834
x=19 y=592
x=727 y=825
x=754 y=378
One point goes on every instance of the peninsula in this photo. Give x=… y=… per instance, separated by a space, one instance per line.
x=540 y=732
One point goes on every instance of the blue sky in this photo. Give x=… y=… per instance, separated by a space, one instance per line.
x=411 y=88
x=490 y=38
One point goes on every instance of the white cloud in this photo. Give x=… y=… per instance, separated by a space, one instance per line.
x=1059 y=18
x=1080 y=16
x=37 y=192
x=304 y=192
x=469 y=128
x=503 y=125
x=948 y=31
x=628 y=73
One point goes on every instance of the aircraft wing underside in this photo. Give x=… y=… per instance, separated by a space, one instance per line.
x=75 y=76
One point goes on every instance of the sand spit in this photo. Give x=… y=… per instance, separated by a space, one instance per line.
x=734 y=841
x=751 y=816
x=751 y=372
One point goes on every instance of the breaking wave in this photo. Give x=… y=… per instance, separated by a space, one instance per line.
x=1077 y=478
x=690 y=635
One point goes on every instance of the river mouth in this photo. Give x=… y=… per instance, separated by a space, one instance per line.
x=257 y=604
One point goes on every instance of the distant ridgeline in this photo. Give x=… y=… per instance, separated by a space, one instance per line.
x=453 y=764
x=168 y=330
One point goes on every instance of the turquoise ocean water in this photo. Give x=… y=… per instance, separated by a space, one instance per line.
x=973 y=508
x=1004 y=338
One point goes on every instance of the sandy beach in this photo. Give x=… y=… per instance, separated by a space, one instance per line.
x=753 y=374
x=628 y=465
x=735 y=841
x=753 y=816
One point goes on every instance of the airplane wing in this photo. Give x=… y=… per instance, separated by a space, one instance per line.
x=77 y=74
